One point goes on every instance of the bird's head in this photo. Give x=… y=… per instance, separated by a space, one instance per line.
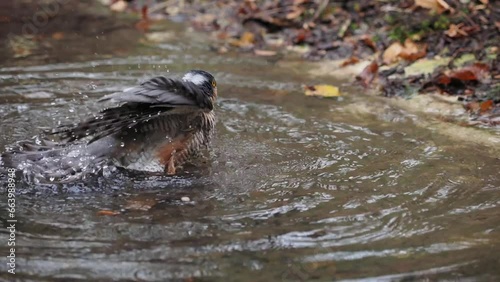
x=204 y=80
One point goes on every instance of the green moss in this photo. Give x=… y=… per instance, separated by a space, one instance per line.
x=390 y=19
x=398 y=33
x=442 y=22
x=357 y=7
x=464 y=59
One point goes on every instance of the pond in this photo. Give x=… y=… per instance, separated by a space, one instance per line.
x=294 y=189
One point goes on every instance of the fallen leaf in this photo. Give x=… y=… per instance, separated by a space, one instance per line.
x=459 y=81
x=58 y=35
x=351 y=61
x=246 y=40
x=455 y=31
x=322 y=90
x=140 y=204
x=392 y=52
x=22 y=46
x=297 y=11
x=438 y=6
x=461 y=30
x=410 y=51
x=302 y=35
x=413 y=51
x=144 y=23
x=264 y=53
x=108 y=212
x=173 y=10
x=474 y=72
x=472 y=107
x=368 y=41
x=486 y=106
x=118 y=6
x=368 y=74
x=443 y=79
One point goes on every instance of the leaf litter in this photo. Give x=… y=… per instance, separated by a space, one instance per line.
x=391 y=34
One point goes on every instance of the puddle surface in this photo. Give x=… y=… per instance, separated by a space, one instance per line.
x=296 y=189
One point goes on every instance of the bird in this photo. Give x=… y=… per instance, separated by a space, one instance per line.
x=156 y=126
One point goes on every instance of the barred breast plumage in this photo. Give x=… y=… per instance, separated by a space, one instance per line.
x=156 y=126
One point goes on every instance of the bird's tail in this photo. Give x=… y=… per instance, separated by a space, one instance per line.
x=47 y=161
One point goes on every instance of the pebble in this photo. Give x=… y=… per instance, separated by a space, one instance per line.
x=185 y=199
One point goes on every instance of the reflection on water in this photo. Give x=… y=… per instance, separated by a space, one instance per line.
x=296 y=188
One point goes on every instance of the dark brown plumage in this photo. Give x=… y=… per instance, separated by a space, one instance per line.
x=155 y=126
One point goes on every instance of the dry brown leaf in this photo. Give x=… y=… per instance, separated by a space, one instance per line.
x=368 y=74
x=302 y=35
x=438 y=6
x=443 y=79
x=455 y=31
x=411 y=51
x=246 y=40
x=297 y=11
x=264 y=53
x=461 y=30
x=475 y=72
x=392 y=52
x=453 y=81
x=351 y=61
x=144 y=23
x=444 y=5
x=472 y=107
x=427 y=4
x=368 y=41
x=486 y=106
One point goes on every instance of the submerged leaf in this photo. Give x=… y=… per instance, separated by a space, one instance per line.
x=108 y=212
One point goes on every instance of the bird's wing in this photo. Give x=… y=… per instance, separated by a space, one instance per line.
x=158 y=96
x=165 y=92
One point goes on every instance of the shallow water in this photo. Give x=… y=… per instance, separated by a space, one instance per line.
x=295 y=189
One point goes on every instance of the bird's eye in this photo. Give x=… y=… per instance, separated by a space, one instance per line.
x=214 y=84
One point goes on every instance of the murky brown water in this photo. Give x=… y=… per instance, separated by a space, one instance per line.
x=297 y=189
